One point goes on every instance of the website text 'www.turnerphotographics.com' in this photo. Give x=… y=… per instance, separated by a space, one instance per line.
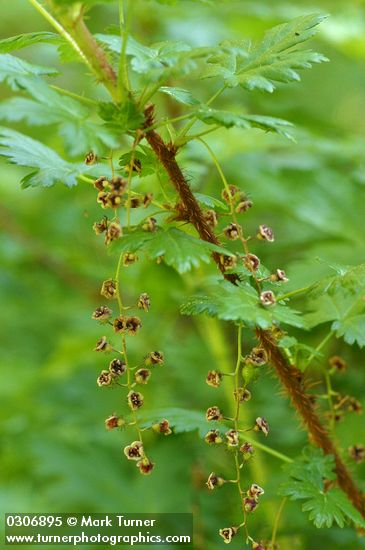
x=94 y=529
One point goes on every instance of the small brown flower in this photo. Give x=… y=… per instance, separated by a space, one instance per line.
x=142 y=376
x=100 y=227
x=267 y=298
x=213 y=413
x=134 y=451
x=145 y=466
x=258 y=546
x=144 y=301
x=101 y=313
x=113 y=233
x=211 y=218
x=261 y=425
x=232 y=438
x=214 y=378
x=163 y=427
x=133 y=324
x=109 y=289
x=129 y=258
x=134 y=202
x=154 y=358
x=255 y=491
x=354 y=406
x=242 y=395
x=252 y=262
x=243 y=206
x=102 y=344
x=214 y=481
x=337 y=363
x=357 y=453
x=213 y=437
x=135 y=400
x=232 y=231
x=102 y=199
x=118 y=184
x=136 y=166
x=113 y=200
x=279 y=275
x=104 y=378
x=250 y=504
x=230 y=193
x=266 y=233
x=117 y=367
x=257 y=357
x=114 y=421
x=119 y=324
x=150 y=225
x=247 y=450
x=147 y=199
x=90 y=158
x=227 y=262
x=101 y=183
x=228 y=533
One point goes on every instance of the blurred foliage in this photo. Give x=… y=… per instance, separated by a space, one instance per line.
x=56 y=455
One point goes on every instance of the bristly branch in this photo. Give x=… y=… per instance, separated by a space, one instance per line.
x=285 y=372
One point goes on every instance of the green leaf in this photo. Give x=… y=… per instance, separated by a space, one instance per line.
x=182 y=420
x=351 y=329
x=275 y=59
x=228 y=119
x=80 y=132
x=210 y=202
x=307 y=476
x=181 y=95
x=240 y=303
x=49 y=167
x=27 y=39
x=18 y=73
x=121 y=118
x=178 y=249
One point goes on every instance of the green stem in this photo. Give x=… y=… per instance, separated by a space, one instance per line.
x=80 y=98
x=293 y=293
x=318 y=348
x=61 y=30
x=268 y=450
x=123 y=77
x=277 y=521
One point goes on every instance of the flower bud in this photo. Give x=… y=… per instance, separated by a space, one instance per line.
x=357 y=453
x=228 y=533
x=232 y=231
x=129 y=258
x=101 y=183
x=113 y=233
x=227 y=262
x=232 y=438
x=214 y=481
x=211 y=218
x=135 y=400
x=241 y=395
x=252 y=262
x=102 y=345
x=90 y=158
x=145 y=466
x=154 y=358
x=144 y=301
x=247 y=450
x=109 y=289
x=257 y=357
x=232 y=192
x=337 y=363
x=163 y=427
x=150 y=225
x=279 y=275
x=261 y=425
x=134 y=451
x=255 y=491
x=265 y=233
x=267 y=298
x=114 y=422
x=117 y=367
x=213 y=413
x=118 y=184
x=250 y=504
x=100 y=227
x=213 y=437
x=258 y=546
x=142 y=376
x=104 y=378
x=102 y=199
x=101 y=313
x=214 y=378
x=243 y=206
x=354 y=406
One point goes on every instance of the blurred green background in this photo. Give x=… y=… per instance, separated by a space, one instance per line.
x=55 y=453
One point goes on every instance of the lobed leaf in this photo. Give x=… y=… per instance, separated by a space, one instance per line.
x=27 y=39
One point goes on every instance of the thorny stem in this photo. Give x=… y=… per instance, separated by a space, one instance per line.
x=286 y=373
